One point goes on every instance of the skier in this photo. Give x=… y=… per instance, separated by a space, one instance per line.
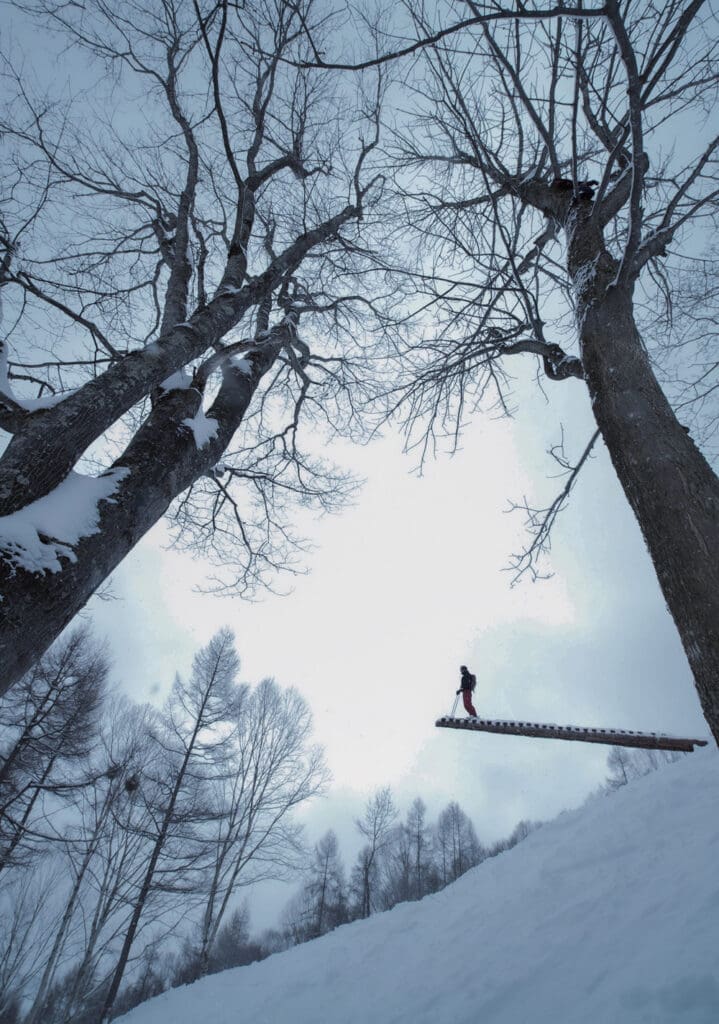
x=468 y=681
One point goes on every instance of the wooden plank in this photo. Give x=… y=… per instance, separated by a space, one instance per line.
x=614 y=737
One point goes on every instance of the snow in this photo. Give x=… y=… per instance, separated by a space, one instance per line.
x=609 y=914
x=203 y=427
x=29 y=404
x=44 y=402
x=243 y=364
x=181 y=380
x=585 y=276
x=39 y=535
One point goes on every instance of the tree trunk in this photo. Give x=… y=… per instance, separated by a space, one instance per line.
x=44 y=450
x=161 y=462
x=33 y=1015
x=47 y=444
x=669 y=484
x=20 y=826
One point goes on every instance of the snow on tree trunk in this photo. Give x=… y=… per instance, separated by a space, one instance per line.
x=162 y=460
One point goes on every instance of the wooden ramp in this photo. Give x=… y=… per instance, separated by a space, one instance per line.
x=615 y=737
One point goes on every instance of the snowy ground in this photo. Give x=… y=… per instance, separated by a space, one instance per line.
x=608 y=914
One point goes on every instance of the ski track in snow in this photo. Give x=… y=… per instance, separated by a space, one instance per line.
x=607 y=915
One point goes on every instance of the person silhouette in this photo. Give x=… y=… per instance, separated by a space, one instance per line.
x=468 y=681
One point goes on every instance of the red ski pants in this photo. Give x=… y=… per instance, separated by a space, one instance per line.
x=468 y=705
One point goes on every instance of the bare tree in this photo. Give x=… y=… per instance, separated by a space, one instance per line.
x=396 y=869
x=102 y=854
x=456 y=843
x=420 y=844
x=160 y=280
x=194 y=743
x=555 y=214
x=171 y=814
x=233 y=946
x=23 y=937
x=407 y=865
x=321 y=904
x=623 y=766
x=521 y=830
x=152 y=979
x=50 y=723
x=376 y=826
x=619 y=766
x=270 y=769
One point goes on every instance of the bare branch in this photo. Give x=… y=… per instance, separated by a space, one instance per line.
x=431 y=40
x=540 y=522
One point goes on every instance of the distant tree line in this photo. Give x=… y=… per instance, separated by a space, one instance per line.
x=122 y=825
x=407 y=860
x=397 y=862
x=624 y=765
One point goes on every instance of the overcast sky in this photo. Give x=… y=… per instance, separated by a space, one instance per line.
x=406 y=586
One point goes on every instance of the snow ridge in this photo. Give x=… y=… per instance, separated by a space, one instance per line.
x=609 y=915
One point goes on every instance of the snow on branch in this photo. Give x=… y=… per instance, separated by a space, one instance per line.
x=203 y=427
x=36 y=537
x=181 y=380
x=17 y=407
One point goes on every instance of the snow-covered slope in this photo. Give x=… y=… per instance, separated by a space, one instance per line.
x=608 y=914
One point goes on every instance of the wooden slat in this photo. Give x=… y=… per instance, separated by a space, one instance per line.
x=614 y=737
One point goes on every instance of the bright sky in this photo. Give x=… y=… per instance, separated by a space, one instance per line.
x=406 y=586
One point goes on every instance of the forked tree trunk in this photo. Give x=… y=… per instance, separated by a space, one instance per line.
x=161 y=461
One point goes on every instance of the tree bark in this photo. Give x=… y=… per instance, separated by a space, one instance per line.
x=669 y=484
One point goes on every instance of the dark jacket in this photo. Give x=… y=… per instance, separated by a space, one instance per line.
x=468 y=681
